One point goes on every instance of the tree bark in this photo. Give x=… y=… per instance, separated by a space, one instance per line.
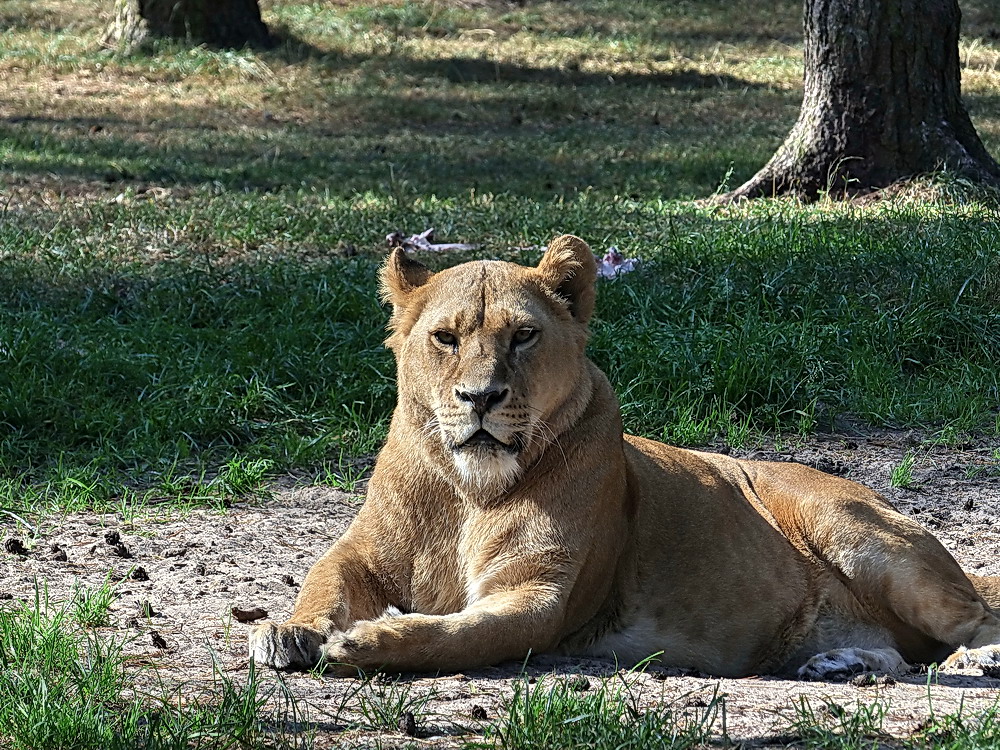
x=220 y=23
x=882 y=102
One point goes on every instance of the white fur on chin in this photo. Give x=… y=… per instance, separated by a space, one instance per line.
x=487 y=471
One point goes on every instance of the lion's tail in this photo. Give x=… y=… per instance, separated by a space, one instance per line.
x=988 y=587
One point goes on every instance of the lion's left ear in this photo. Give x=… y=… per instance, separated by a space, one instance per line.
x=400 y=276
x=570 y=270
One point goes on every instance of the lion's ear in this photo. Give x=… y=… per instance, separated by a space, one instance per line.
x=400 y=276
x=570 y=270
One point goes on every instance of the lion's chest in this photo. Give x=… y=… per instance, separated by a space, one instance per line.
x=455 y=567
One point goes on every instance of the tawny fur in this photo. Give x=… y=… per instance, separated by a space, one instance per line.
x=556 y=533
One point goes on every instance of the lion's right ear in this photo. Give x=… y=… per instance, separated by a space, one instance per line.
x=399 y=277
x=569 y=269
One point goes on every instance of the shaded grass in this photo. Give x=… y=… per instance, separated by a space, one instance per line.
x=149 y=340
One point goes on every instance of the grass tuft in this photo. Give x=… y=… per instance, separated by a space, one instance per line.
x=555 y=714
x=62 y=687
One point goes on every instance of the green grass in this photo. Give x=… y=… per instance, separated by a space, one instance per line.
x=902 y=473
x=382 y=701
x=832 y=726
x=189 y=248
x=835 y=727
x=252 y=351
x=556 y=715
x=64 y=685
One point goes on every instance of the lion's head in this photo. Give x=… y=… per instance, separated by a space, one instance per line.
x=490 y=357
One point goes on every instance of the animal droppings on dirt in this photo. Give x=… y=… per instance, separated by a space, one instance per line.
x=408 y=724
x=15 y=547
x=120 y=550
x=287 y=580
x=157 y=639
x=872 y=679
x=112 y=537
x=478 y=713
x=57 y=554
x=200 y=569
x=6 y=596
x=139 y=574
x=579 y=683
x=146 y=609
x=174 y=551
x=249 y=615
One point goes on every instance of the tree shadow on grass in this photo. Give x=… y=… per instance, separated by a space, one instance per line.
x=470 y=70
x=446 y=160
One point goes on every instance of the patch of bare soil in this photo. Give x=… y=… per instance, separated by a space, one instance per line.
x=180 y=576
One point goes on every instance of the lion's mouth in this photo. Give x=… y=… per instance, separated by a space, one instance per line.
x=484 y=439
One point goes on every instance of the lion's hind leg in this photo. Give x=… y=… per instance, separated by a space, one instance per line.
x=984 y=657
x=899 y=575
x=842 y=663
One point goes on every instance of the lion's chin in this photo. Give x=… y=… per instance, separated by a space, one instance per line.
x=485 y=469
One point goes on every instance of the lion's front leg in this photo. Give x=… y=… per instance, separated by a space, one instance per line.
x=501 y=626
x=340 y=589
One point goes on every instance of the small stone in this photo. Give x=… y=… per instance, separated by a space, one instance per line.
x=174 y=551
x=287 y=580
x=112 y=537
x=157 y=639
x=139 y=574
x=478 y=713
x=15 y=547
x=249 y=615
x=408 y=724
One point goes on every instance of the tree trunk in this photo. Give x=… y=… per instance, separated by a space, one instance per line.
x=882 y=102
x=220 y=23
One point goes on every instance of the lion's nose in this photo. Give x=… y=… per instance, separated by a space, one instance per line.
x=482 y=401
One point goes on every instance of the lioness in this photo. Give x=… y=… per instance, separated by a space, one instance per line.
x=507 y=513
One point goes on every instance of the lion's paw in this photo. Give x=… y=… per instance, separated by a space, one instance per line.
x=844 y=663
x=358 y=648
x=373 y=644
x=986 y=658
x=286 y=646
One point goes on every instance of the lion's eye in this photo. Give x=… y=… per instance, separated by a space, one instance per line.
x=523 y=336
x=445 y=339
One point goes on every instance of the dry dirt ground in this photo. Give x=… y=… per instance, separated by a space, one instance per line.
x=201 y=564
